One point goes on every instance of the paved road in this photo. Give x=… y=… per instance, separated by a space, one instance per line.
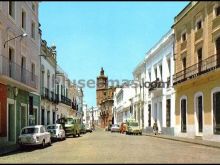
x=107 y=147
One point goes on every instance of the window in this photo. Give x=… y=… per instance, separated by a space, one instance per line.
x=199 y=52
x=11 y=64
x=184 y=63
x=33 y=7
x=161 y=71
x=33 y=30
x=168 y=64
x=32 y=72
x=149 y=73
x=198 y=24
x=12 y=9
x=217 y=11
x=155 y=71
x=42 y=130
x=183 y=36
x=23 y=64
x=23 y=19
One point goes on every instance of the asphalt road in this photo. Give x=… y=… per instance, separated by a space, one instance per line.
x=107 y=147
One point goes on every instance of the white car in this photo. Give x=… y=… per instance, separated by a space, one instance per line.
x=56 y=131
x=34 y=135
x=115 y=128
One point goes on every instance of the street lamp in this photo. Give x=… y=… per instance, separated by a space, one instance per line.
x=21 y=35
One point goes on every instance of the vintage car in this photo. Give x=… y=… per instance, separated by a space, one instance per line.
x=34 y=135
x=56 y=131
x=133 y=128
x=83 y=129
x=115 y=128
x=71 y=125
x=88 y=128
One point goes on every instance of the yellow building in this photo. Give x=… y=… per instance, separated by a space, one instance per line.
x=197 y=70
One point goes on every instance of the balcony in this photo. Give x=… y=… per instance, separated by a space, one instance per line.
x=56 y=98
x=183 y=45
x=65 y=100
x=197 y=69
x=216 y=23
x=156 y=84
x=104 y=113
x=10 y=71
x=198 y=34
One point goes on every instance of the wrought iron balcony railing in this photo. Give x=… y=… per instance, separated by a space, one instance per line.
x=65 y=100
x=16 y=72
x=202 y=67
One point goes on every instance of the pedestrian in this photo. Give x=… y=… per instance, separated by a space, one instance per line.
x=155 y=128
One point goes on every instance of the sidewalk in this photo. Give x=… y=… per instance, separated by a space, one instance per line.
x=186 y=140
x=7 y=148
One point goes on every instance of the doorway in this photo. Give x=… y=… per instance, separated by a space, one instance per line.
x=216 y=113
x=11 y=122
x=183 y=115
x=149 y=115
x=23 y=116
x=199 y=114
x=218 y=51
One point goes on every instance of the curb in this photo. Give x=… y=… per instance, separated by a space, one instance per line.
x=184 y=141
x=8 y=149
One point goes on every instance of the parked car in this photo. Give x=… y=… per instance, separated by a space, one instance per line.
x=34 y=135
x=88 y=128
x=56 y=131
x=133 y=128
x=71 y=125
x=83 y=129
x=115 y=128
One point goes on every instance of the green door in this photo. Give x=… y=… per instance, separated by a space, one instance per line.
x=23 y=116
x=11 y=122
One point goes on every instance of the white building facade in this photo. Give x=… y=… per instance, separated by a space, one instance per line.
x=48 y=90
x=122 y=109
x=159 y=70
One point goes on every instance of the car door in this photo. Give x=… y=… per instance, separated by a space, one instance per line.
x=46 y=135
x=62 y=131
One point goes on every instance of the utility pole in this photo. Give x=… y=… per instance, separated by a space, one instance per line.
x=93 y=119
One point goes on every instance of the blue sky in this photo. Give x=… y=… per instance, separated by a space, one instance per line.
x=112 y=35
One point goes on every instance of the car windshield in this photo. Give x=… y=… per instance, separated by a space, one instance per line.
x=133 y=124
x=52 y=127
x=115 y=125
x=29 y=130
x=69 y=121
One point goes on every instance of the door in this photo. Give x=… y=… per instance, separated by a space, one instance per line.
x=11 y=122
x=216 y=112
x=168 y=113
x=199 y=114
x=183 y=115
x=218 y=51
x=42 y=116
x=149 y=115
x=23 y=116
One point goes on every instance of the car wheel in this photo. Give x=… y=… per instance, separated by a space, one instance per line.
x=43 y=143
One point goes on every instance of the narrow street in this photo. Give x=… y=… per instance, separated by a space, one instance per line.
x=107 y=147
